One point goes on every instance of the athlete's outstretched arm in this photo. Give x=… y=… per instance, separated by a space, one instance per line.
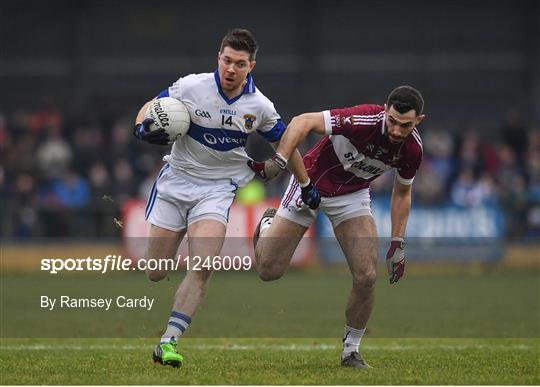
x=287 y=154
x=296 y=132
x=297 y=168
x=400 y=208
x=399 y=213
x=296 y=165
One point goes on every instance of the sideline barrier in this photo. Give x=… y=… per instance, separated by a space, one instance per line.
x=25 y=254
x=442 y=233
x=242 y=223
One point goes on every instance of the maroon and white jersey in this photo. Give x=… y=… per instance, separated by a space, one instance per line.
x=356 y=151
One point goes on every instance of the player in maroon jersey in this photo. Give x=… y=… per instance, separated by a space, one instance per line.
x=360 y=144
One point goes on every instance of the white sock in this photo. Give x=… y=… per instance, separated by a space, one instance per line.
x=177 y=325
x=351 y=340
x=265 y=223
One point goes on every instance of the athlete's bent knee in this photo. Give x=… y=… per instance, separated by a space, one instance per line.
x=365 y=278
x=155 y=275
x=270 y=276
x=270 y=273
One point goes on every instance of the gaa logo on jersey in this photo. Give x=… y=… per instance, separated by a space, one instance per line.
x=249 y=121
x=202 y=113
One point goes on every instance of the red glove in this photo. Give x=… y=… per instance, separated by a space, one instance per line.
x=395 y=259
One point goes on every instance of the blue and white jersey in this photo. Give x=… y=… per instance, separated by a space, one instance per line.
x=214 y=145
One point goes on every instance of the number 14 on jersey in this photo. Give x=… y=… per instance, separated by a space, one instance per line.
x=227 y=120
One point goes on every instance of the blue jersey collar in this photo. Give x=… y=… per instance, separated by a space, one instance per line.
x=249 y=88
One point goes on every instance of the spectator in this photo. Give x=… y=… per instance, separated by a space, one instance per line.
x=54 y=154
x=102 y=207
x=437 y=168
x=470 y=192
x=71 y=191
x=44 y=190
x=24 y=216
x=87 y=143
x=59 y=199
x=533 y=172
x=124 y=185
x=469 y=153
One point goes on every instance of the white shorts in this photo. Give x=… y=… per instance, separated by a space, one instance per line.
x=179 y=199
x=337 y=208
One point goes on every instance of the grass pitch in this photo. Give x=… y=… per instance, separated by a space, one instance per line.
x=429 y=329
x=301 y=304
x=271 y=361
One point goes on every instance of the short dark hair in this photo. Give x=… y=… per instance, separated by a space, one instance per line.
x=405 y=98
x=240 y=40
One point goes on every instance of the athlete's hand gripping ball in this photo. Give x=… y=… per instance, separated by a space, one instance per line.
x=311 y=196
x=395 y=259
x=269 y=169
x=143 y=132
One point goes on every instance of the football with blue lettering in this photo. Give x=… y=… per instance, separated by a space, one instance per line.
x=169 y=114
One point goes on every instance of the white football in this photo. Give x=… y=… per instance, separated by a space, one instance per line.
x=169 y=114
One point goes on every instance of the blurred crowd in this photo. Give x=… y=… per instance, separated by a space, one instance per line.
x=72 y=178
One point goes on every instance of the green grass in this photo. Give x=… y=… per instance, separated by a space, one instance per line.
x=298 y=305
x=271 y=361
x=429 y=329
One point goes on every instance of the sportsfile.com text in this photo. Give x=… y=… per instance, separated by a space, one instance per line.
x=113 y=263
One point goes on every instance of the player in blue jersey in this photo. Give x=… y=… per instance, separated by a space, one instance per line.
x=196 y=186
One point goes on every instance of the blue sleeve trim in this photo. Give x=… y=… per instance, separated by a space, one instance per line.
x=164 y=93
x=275 y=133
